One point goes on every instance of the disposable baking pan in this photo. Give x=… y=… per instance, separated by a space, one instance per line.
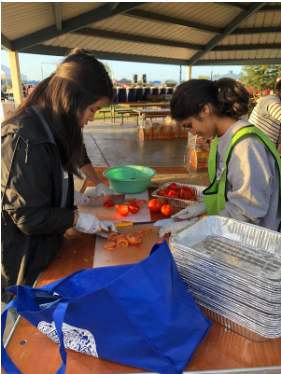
x=180 y=203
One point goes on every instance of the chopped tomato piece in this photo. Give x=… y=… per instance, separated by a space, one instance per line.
x=138 y=246
x=132 y=239
x=173 y=186
x=150 y=230
x=121 y=241
x=166 y=210
x=134 y=208
x=139 y=236
x=122 y=209
x=112 y=236
x=154 y=206
x=109 y=245
x=173 y=193
x=108 y=204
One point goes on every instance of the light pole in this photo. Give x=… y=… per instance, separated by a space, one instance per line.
x=50 y=63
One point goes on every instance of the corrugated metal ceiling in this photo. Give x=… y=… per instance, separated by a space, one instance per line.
x=184 y=23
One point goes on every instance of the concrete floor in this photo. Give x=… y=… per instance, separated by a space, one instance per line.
x=115 y=144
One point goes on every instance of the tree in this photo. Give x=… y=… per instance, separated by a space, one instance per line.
x=167 y=81
x=260 y=77
x=203 y=77
x=216 y=75
x=107 y=68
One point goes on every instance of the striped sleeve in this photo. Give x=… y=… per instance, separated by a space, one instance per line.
x=274 y=110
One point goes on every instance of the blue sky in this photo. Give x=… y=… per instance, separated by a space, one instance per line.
x=31 y=65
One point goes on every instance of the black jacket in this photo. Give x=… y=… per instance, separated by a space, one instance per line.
x=33 y=221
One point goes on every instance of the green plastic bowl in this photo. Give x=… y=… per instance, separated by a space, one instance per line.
x=129 y=178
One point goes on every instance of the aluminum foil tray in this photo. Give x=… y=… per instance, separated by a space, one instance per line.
x=190 y=275
x=252 y=252
x=180 y=203
x=232 y=326
x=229 y=278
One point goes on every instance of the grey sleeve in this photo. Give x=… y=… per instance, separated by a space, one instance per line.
x=249 y=182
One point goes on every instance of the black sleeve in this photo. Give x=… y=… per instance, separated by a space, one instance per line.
x=86 y=157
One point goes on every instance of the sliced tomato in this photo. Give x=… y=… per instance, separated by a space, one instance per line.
x=133 y=239
x=173 y=193
x=109 y=245
x=174 y=186
x=108 y=204
x=121 y=241
x=112 y=236
x=134 y=208
x=122 y=209
x=154 y=206
x=166 y=210
x=163 y=192
x=139 y=236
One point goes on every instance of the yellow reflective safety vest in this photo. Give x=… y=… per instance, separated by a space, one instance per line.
x=215 y=195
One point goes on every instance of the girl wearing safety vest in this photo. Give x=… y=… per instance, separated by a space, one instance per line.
x=244 y=166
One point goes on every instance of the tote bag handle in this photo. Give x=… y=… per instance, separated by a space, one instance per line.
x=7 y=363
x=58 y=317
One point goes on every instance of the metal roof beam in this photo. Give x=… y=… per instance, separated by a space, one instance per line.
x=57 y=15
x=136 y=38
x=271 y=8
x=234 y=5
x=60 y=51
x=6 y=43
x=246 y=47
x=253 y=8
x=70 y=25
x=137 y=13
x=257 y=30
x=251 y=61
x=112 y=6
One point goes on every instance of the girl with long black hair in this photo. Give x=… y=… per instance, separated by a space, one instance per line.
x=42 y=148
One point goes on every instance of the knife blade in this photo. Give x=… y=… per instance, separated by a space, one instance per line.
x=100 y=200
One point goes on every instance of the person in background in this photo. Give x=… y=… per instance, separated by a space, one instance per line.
x=42 y=148
x=244 y=167
x=267 y=115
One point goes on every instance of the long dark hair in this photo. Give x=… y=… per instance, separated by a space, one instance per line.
x=79 y=81
x=227 y=96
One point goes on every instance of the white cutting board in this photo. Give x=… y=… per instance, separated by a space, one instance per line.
x=111 y=214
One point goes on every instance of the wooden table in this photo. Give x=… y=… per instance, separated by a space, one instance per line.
x=33 y=352
x=146 y=105
x=152 y=113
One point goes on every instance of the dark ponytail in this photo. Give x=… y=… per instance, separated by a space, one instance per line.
x=227 y=96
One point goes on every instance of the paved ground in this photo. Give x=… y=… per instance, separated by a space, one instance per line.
x=112 y=145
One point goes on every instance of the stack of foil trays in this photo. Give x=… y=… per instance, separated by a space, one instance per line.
x=233 y=271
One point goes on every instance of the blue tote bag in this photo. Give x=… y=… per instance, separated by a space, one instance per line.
x=140 y=315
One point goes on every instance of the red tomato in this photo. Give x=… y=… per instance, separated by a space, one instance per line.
x=122 y=209
x=132 y=239
x=164 y=192
x=161 y=201
x=173 y=193
x=154 y=206
x=166 y=210
x=185 y=195
x=134 y=208
x=108 y=204
x=173 y=186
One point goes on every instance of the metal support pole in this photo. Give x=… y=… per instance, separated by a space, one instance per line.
x=15 y=76
x=189 y=71
x=180 y=75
